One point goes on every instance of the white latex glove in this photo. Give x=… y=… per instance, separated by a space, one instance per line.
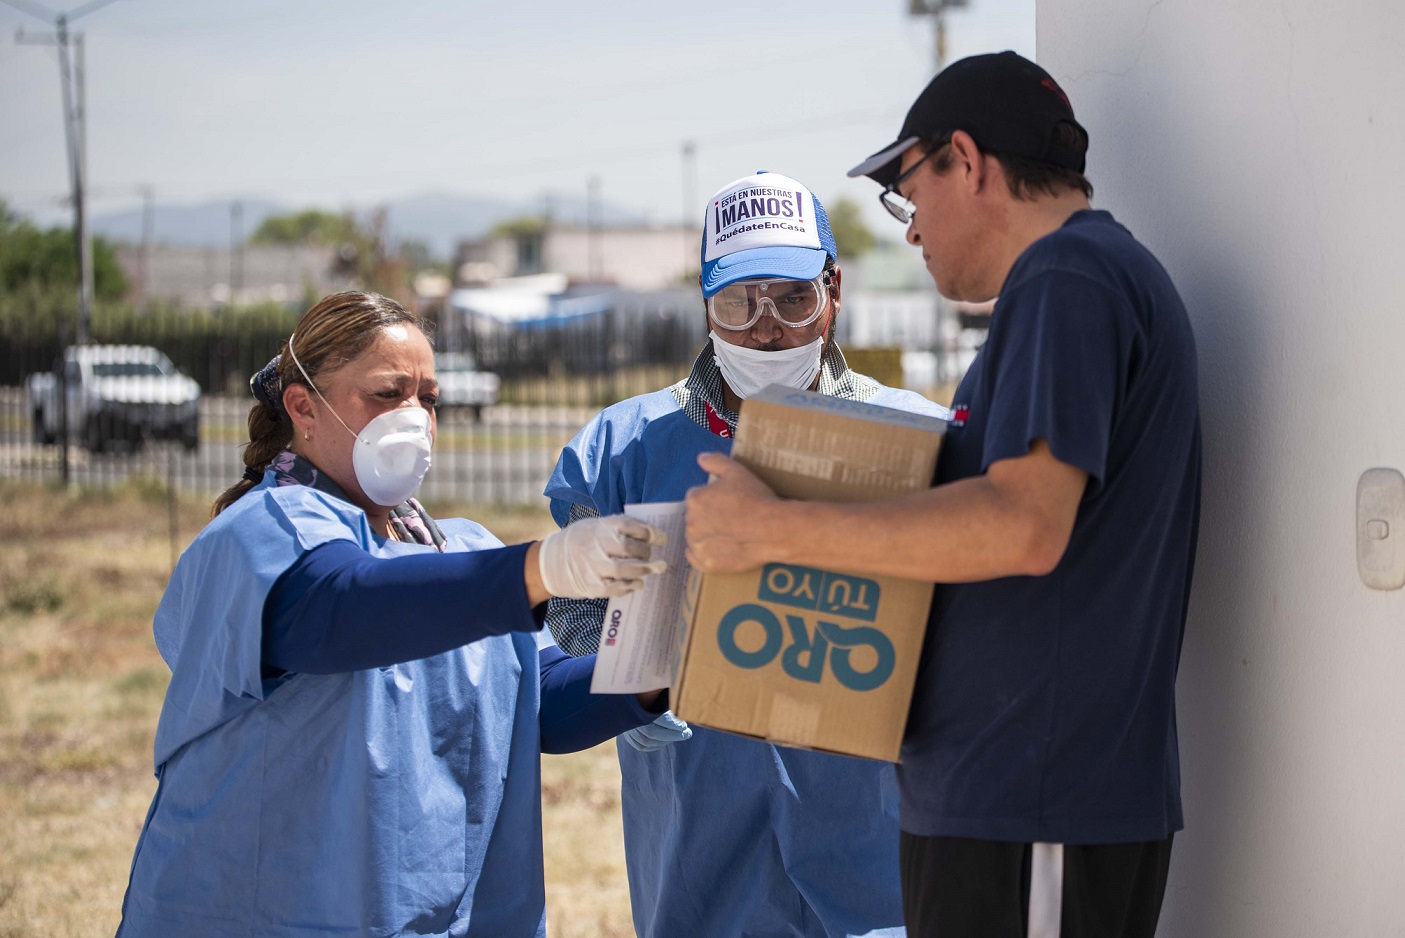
x=658 y=734
x=597 y=557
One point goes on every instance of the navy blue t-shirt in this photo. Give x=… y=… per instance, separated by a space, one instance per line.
x=1045 y=706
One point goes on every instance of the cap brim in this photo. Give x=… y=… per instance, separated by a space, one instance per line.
x=878 y=167
x=795 y=263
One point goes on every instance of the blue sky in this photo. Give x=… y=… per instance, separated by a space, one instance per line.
x=343 y=103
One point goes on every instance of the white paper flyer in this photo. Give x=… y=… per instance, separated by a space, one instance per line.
x=641 y=629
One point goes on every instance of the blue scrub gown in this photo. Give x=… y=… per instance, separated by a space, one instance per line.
x=396 y=801
x=727 y=836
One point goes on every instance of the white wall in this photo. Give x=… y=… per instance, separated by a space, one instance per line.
x=1258 y=146
x=634 y=258
x=199 y=277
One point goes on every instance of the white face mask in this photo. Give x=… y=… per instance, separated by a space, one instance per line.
x=748 y=370
x=391 y=455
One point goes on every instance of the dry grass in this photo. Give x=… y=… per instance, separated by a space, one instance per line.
x=80 y=689
x=586 y=892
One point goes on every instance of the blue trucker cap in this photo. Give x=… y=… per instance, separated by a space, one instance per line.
x=764 y=225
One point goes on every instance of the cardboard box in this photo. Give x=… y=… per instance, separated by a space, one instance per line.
x=797 y=655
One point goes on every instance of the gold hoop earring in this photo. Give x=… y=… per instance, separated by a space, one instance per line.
x=306 y=436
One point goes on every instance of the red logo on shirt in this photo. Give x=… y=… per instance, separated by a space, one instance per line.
x=959 y=414
x=716 y=424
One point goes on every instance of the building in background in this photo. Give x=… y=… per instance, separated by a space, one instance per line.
x=634 y=257
x=891 y=302
x=530 y=277
x=211 y=277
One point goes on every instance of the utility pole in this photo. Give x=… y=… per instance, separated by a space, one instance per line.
x=148 y=229
x=936 y=10
x=84 y=227
x=546 y=250
x=236 y=250
x=70 y=48
x=592 y=228
x=690 y=202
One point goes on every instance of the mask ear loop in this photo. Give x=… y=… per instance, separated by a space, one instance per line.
x=308 y=379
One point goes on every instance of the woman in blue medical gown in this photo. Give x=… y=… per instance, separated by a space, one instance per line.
x=359 y=694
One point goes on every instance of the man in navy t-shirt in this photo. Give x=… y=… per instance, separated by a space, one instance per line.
x=1040 y=778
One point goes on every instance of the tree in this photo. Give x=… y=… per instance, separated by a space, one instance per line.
x=360 y=248
x=47 y=260
x=851 y=235
x=418 y=256
x=312 y=226
x=521 y=225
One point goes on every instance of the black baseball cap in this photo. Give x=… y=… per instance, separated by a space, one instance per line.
x=1002 y=99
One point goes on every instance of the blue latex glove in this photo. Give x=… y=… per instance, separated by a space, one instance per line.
x=658 y=734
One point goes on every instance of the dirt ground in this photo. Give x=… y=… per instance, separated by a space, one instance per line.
x=81 y=685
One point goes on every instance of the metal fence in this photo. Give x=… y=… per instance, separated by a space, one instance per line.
x=126 y=423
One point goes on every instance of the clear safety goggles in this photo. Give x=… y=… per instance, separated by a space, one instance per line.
x=740 y=305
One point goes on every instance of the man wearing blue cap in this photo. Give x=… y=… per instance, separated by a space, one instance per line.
x=726 y=836
x=1040 y=780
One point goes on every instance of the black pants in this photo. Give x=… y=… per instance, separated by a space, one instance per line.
x=954 y=887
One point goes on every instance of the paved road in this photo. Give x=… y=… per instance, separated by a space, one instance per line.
x=504 y=459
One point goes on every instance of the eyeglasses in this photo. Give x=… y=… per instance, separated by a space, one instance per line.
x=897 y=205
x=740 y=305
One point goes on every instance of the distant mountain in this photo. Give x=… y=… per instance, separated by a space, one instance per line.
x=438 y=219
x=204 y=225
x=441 y=221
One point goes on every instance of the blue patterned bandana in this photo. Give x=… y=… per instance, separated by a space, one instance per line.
x=267 y=388
x=409 y=521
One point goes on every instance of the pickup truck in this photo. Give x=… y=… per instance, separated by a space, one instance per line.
x=461 y=384
x=116 y=394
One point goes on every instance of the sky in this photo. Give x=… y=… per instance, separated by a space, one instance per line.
x=346 y=103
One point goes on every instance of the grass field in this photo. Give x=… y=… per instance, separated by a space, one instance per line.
x=81 y=686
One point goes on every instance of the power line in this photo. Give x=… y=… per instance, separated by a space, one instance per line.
x=665 y=148
x=36 y=10
x=602 y=94
x=87 y=8
x=559 y=159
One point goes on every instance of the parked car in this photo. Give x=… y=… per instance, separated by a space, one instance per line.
x=461 y=384
x=116 y=393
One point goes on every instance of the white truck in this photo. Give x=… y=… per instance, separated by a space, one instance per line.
x=461 y=384
x=116 y=394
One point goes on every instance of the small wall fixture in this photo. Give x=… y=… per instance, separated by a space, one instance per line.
x=1380 y=529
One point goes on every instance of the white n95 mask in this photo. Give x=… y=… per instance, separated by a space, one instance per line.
x=748 y=370
x=391 y=454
